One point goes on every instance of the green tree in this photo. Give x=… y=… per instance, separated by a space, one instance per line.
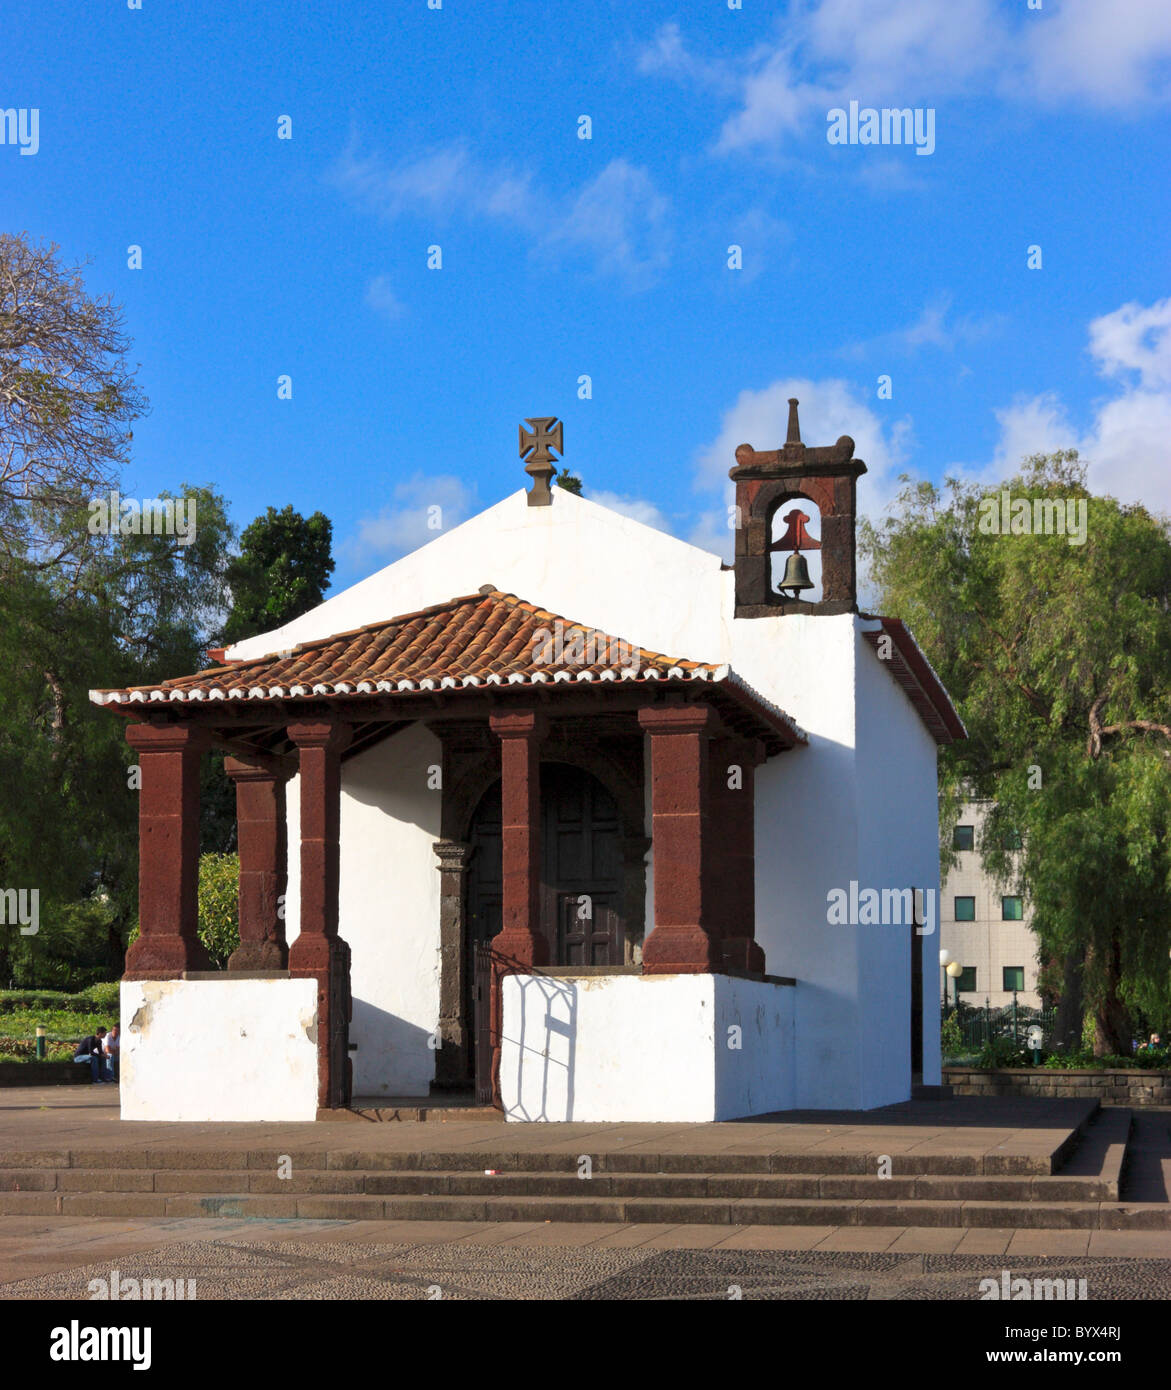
x=67 y=399
x=127 y=610
x=1059 y=657
x=282 y=571
x=569 y=481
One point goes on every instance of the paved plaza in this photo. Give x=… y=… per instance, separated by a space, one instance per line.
x=50 y=1256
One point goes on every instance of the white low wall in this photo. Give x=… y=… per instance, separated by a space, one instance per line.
x=645 y=1047
x=226 y=1049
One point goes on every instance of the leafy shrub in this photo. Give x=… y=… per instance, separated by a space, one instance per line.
x=103 y=996
x=61 y=1023
x=100 y=998
x=25 y=1050
x=950 y=1038
x=1084 y=1060
x=219 y=897
x=1003 y=1052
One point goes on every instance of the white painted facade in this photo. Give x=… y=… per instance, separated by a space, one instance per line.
x=858 y=803
x=679 y=1048
x=223 y=1049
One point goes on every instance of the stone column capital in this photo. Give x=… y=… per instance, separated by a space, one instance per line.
x=256 y=767
x=679 y=719
x=453 y=855
x=166 y=738
x=521 y=723
x=330 y=734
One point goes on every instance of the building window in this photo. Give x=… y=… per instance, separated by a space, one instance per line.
x=968 y=980
x=966 y=909
x=1011 y=839
x=1014 y=977
x=1012 y=909
x=963 y=837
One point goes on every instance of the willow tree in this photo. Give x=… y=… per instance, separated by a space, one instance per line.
x=1057 y=649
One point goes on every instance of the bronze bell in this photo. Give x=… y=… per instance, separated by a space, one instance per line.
x=796 y=573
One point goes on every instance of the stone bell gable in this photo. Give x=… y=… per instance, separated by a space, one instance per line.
x=768 y=479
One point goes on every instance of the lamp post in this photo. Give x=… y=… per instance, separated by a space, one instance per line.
x=955 y=970
x=41 y=1031
x=944 y=962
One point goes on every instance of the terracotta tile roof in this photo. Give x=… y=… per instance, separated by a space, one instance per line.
x=480 y=640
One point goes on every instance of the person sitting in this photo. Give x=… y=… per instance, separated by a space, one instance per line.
x=90 y=1050
x=110 y=1050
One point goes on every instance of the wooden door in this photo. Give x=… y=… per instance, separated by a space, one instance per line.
x=581 y=889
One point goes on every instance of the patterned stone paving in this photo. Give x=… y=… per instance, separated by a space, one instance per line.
x=291 y=1269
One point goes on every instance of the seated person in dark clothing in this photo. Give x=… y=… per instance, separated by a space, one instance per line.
x=91 y=1050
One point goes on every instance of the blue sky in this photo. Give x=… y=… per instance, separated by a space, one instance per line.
x=607 y=257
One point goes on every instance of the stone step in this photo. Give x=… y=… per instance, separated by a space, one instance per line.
x=740 y=1211
x=387 y=1183
x=1036 y=1161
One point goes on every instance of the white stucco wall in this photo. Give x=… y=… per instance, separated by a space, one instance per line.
x=579 y=559
x=898 y=820
x=388 y=908
x=645 y=1047
x=226 y=1049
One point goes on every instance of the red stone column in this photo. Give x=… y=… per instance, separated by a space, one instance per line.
x=733 y=860
x=685 y=939
x=520 y=943
x=318 y=952
x=263 y=843
x=168 y=852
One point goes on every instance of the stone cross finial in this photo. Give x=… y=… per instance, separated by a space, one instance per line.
x=794 y=435
x=535 y=444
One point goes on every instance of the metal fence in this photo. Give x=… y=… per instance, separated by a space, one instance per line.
x=981 y=1024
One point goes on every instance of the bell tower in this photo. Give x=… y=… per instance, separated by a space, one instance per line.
x=765 y=481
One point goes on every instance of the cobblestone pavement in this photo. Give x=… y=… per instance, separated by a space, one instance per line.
x=241 y=1269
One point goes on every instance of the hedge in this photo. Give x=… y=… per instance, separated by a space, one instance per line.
x=100 y=998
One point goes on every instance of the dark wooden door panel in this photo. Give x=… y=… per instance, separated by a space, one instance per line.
x=581 y=887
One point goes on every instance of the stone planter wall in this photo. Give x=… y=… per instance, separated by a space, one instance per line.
x=43 y=1074
x=1131 y=1087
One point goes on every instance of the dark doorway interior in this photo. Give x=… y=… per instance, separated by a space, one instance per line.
x=581 y=877
x=916 y=993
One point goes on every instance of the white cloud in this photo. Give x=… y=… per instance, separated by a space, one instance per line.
x=412 y=520
x=935 y=327
x=440 y=182
x=1127 y=449
x=922 y=52
x=1113 y=55
x=621 y=221
x=637 y=508
x=1134 y=339
x=712 y=532
x=667 y=54
x=380 y=296
x=1030 y=425
x=1125 y=444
